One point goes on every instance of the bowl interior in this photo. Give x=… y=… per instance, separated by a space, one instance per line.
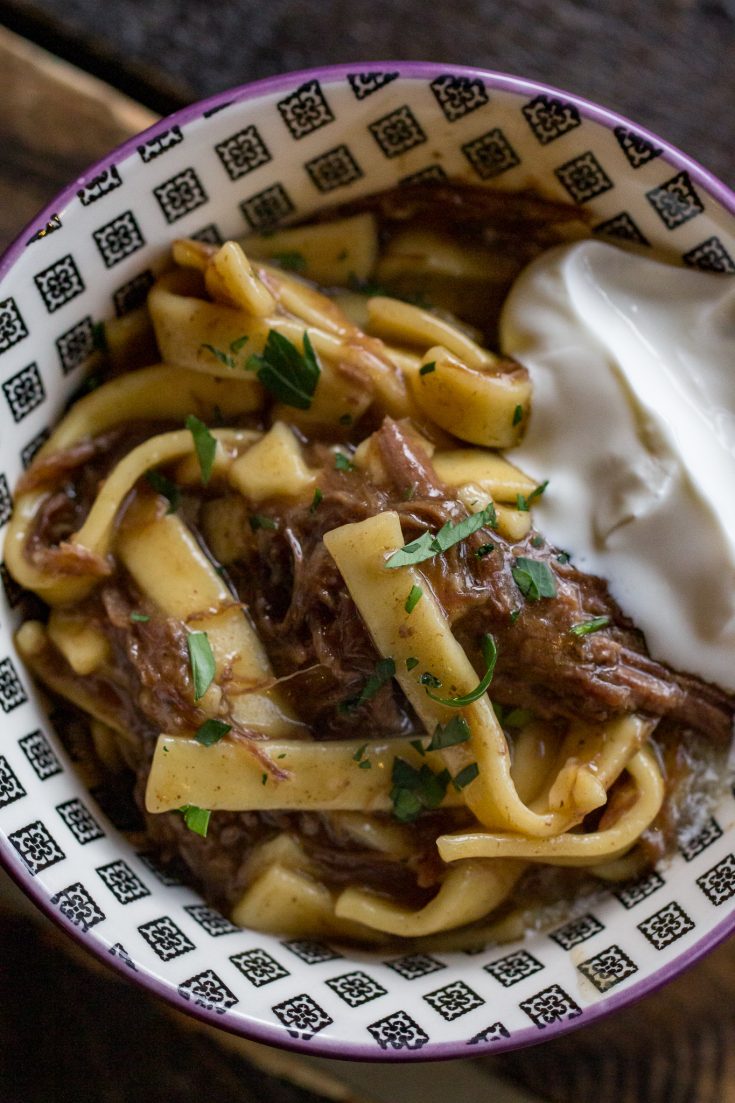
x=249 y=160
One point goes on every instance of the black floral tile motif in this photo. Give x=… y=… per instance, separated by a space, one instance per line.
x=576 y=931
x=638 y=150
x=634 y=892
x=424 y=176
x=397 y=132
x=53 y=224
x=133 y=293
x=454 y=1000
x=243 y=152
x=76 y=345
x=213 y=922
x=154 y=147
x=583 y=177
x=302 y=1016
x=413 y=966
x=305 y=110
x=37 y=847
x=491 y=154
x=124 y=885
x=13 y=592
x=550 y=118
x=458 y=96
x=166 y=939
x=6 y=501
x=710 y=256
x=99 y=185
x=208 y=991
x=29 y=450
x=10 y=788
x=209 y=234
x=398 y=1031
x=59 y=283
x=356 y=988
x=259 y=967
x=512 y=968
x=118 y=950
x=608 y=968
x=622 y=226
x=78 y=906
x=552 y=1005
x=492 y=1033
x=676 y=201
x=24 y=391
x=704 y=838
x=334 y=169
x=12 y=327
x=718 y=883
x=312 y=953
x=666 y=925
x=80 y=821
x=365 y=84
x=12 y=693
x=180 y=195
x=37 y=749
x=118 y=239
x=267 y=208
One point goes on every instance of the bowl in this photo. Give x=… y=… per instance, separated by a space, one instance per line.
x=248 y=159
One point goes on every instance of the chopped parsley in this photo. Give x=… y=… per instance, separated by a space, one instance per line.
x=315 y=501
x=427 y=545
x=205 y=445
x=523 y=503
x=429 y=679
x=588 y=626
x=166 y=488
x=456 y=730
x=357 y=756
x=291 y=376
x=418 y=747
x=229 y=359
x=211 y=731
x=201 y=659
x=385 y=669
x=511 y=717
x=343 y=462
x=517 y=415
x=484 y=549
x=414 y=597
x=411 y=662
x=490 y=655
x=465 y=776
x=415 y=790
x=427 y=369
x=537 y=541
x=263 y=779
x=533 y=578
x=196 y=819
x=139 y=618
x=563 y=557
x=291 y=262
x=366 y=764
x=514 y=615
x=260 y=521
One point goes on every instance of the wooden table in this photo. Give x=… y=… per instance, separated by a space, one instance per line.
x=675 y=1047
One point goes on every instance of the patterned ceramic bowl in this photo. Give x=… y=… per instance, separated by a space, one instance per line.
x=248 y=159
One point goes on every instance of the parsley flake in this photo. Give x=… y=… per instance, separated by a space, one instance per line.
x=490 y=655
x=260 y=521
x=385 y=669
x=211 y=731
x=523 y=503
x=205 y=445
x=465 y=776
x=291 y=376
x=517 y=415
x=139 y=618
x=429 y=679
x=414 y=789
x=533 y=578
x=427 y=546
x=456 y=730
x=484 y=550
x=343 y=462
x=166 y=488
x=414 y=597
x=411 y=662
x=263 y=779
x=357 y=756
x=588 y=626
x=427 y=369
x=418 y=747
x=315 y=501
x=229 y=359
x=196 y=819
x=201 y=660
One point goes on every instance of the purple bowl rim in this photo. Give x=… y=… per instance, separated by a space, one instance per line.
x=257 y=1031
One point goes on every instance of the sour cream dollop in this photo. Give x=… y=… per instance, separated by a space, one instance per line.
x=633 y=423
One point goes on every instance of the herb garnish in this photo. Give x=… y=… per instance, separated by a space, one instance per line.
x=291 y=376
x=511 y=717
x=416 y=789
x=139 y=618
x=229 y=359
x=465 y=776
x=563 y=557
x=260 y=521
x=523 y=503
x=588 y=626
x=537 y=541
x=418 y=747
x=196 y=819
x=357 y=756
x=211 y=732
x=343 y=462
x=456 y=730
x=514 y=615
x=263 y=779
x=427 y=546
x=291 y=262
x=490 y=655
x=411 y=662
x=484 y=549
x=533 y=578
x=426 y=369
x=315 y=501
x=429 y=679
x=205 y=445
x=414 y=597
x=517 y=415
x=385 y=669
x=201 y=659
x=165 y=487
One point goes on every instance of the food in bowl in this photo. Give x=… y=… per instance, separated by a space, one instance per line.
x=286 y=566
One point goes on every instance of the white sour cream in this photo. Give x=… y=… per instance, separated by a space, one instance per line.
x=633 y=423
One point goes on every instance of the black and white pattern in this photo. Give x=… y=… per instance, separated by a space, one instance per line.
x=550 y=118
x=80 y=821
x=37 y=749
x=718 y=883
x=667 y=925
x=76 y=345
x=206 y=990
x=118 y=239
x=512 y=968
x=583 y=177
x=676 y=201
x=454 y=1000
x=118 y=950
x=170 y=876
x=209 y=234
x=458 y=96
x=638 y=150
x=37 y=847
x=6 y=501
x=623 y=227
x=704 y=838
x=302 y=1016
x=259 y=967
x=124 y=885
x=311 y=953
x=491 y=154
x=576 y=931
x=34 y=445
x=334 y=169
x=552 y=1005
x=133 y=293
x=608 y=968
x=10 y=788
x=100 y=185
x=710 y=256
x=180 y=195
x=12 y=327
x=24 y=391
x=397 y=132
x=267 y=208
x=492 y=1033
x=305 y=110
x=413 y=966
x=165 y=938
x=77 y=905
x=398 y=1031
x=213 y=922
x=59 y=283
x=243 y=152
x=12 y=693
x=635 y=892
x=356 y=988
x=154 y=147
x=432 y=173
x=365 y=84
